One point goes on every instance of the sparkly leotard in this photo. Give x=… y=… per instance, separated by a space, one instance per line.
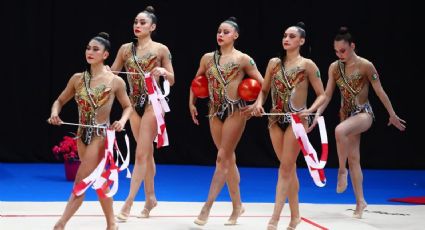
x=90 y=103
x=283 y=86
x=219 y=77
x=139 y=66
x=350 y=86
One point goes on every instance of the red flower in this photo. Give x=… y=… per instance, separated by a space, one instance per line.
x=67 y=149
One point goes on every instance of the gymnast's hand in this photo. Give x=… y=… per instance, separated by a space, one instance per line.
x=314 y=123
x=194 y=113
x=253 y=110
x=117 y=126
x=54 y=119
x=397 y=122
x=159 y=71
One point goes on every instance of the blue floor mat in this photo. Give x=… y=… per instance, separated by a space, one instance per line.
x=46 y=182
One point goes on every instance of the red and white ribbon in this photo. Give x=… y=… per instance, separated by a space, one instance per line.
x=315 y=167
x=106 y=172
x=160 y=106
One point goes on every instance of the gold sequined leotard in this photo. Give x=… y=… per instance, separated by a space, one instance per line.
x=350 y=86
x=283 y=85
x=90 y=103
x=219 y=77
x=140 y=66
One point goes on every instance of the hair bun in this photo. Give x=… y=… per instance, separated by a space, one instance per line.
x=233 y=19
x=343 y=30
x=150 y=9
x=103 y=35
x=301 y=25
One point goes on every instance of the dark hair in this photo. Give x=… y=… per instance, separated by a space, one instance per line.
x=344 y=35
x=233 y=22
x=103 y=38
x=301 y=30
x=150 y=11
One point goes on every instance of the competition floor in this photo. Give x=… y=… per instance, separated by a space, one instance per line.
x=33 y=196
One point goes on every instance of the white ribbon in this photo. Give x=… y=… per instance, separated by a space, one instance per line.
x=315 y=167
x=160 y=106
x=101 y=177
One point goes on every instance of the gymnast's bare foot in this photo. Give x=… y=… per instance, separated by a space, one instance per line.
x=149 y=205
x=237 y=212
x=360 y=207
x=203 y=216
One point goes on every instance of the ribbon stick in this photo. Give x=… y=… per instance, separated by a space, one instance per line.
x=315 y=167
x=106 y=172
x=283 y=114
x=132 y=73
x=82 y=125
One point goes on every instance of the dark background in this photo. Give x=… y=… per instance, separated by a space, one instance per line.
x=44 y=44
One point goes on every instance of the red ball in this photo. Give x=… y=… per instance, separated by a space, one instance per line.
x=249 y=89
x=200 y=86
